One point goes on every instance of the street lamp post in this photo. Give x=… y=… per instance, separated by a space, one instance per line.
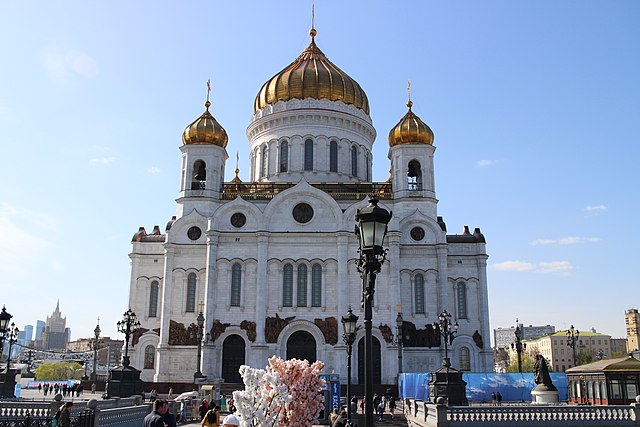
x=371 y=228
x=518 y=345
x=5 y=318
x=400 y=339
x=128 y=325
x=200 y=333
x=95 y=345
x=444 y=327
x=572 y=338
x=349 y=324
x=11 y=335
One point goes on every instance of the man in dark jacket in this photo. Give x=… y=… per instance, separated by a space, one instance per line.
x=156 y=417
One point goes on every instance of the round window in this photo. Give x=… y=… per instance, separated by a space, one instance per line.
x=238 y=219
x=194 y=233
x=302 y=213
x=417 y=233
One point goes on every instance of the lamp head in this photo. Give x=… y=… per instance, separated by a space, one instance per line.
x=349 y=322
x=5 y=317
x=372 y=227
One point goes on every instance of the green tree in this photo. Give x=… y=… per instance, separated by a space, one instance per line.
x=585 y=356
x=59 y=371
x=527 y=363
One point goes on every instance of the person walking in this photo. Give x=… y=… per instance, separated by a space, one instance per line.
x=212 y=417
x=169 y=417
x=499 y=398
x=203 y=408
x=392 y=405
x=65 y=415
x=156 y=417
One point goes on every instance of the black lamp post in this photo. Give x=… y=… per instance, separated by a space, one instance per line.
x=5 y=318
x=128 y=325
x=11 y=335
x=444 y=327
x=518 y=345
x=572 y=338
x=95 y=344
x=199 y=335
x=400 y=339
x=371 y=228
x=349 y=324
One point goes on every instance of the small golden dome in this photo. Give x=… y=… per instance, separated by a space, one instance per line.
x=205 y=130
x=312 y=75
x=410 y=130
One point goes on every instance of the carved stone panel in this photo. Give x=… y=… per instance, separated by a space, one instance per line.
x=329 y=328
x=250 y=327
x=135 y=336
x=181 y=335
x=385 y=330
x=217 y=329
x=412 y=337
x=273 y=326
x=477 y=338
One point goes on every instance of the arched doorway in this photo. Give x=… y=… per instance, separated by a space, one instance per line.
x=232 y=358
x=377 y=361
x=301 y=345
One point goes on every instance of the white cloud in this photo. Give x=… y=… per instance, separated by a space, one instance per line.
x=62 y=63
x=102 y=160
x=554 y=267
x=154 y=170
x=596 y=208
x=485 y=163
x=571 y=240
x=518 y=266
x=58 y=266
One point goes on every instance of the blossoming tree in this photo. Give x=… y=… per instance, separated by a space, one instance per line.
x=287 y=394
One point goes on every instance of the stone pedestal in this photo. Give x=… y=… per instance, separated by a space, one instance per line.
x=543 y=395
x=8 y=384
x=124 y=381
x=447 y=382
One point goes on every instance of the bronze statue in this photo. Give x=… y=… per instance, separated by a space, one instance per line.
x=541 y=373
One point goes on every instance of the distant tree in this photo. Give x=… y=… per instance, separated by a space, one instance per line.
x=59 y=371
x=585 y=356
x=527 y=363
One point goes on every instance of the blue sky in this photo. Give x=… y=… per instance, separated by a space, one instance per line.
x=534 y=106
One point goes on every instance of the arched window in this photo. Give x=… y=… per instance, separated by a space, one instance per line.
x=199 y=175
x=316 y=285
x=149 y=357
x=418 y=285
x=302 y=286
x=284 y=156
x=264 y=169
x=414 y=175
x=333 y=156
x=153 y=298
x=236 y=281
x=462 y=300
x=287 y=285
x=190 y=307
x=308 y=155
x=354 y=161
x=465 y=359
x=366 y=167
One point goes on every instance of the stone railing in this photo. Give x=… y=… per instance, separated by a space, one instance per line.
x=423 y=414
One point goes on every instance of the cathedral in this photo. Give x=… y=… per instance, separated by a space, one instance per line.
x=271 y=263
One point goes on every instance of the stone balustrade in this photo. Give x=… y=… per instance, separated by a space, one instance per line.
x=423 y=414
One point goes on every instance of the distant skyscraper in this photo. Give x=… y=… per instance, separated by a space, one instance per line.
x=28 y=332
x=55 y=331
x=632 y=321
x=39 y=329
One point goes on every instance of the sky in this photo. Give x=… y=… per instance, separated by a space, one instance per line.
x=534 y=106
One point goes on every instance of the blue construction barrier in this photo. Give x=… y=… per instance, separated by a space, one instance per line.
x=514 y=387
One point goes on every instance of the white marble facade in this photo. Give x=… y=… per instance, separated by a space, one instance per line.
x=237 y=249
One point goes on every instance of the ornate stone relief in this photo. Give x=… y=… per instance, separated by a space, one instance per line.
x=385 y=330
x=477 y=338
x=329 y=328
x=427 y=337
x=273 y=326
x=250 y=327
x=217 y=329
x=179 y=335
x=135 y=336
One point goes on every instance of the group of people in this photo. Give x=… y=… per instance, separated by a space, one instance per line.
x=496 y=399
x=161 y=417
x=380 y=403
x=64 y=389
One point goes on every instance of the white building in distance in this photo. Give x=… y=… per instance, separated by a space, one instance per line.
x=273 y=260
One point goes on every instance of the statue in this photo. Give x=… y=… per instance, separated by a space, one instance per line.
x=541 y=373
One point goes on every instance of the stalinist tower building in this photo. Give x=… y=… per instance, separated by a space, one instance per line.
x=271 y=261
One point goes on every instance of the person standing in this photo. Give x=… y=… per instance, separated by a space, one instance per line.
x=156 y=417
x=65 y=415
x=169 y=417
x=392 y=405
x=499 y=398
x=212 y=417
x=494 y=399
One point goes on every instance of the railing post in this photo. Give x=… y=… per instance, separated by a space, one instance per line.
x=441 y=414
x=92 y=405
x=636 y=411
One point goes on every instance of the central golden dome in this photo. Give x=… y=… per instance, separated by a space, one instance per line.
x=312 y=75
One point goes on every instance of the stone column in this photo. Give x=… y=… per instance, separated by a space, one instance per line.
x=444 y=298
x=162 y=362
x=261 y=286
x=208 y=367
x=483 y=296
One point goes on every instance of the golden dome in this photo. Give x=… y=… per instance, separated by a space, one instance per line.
x=410 y=130
x=205 y=130
x=312 y=75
